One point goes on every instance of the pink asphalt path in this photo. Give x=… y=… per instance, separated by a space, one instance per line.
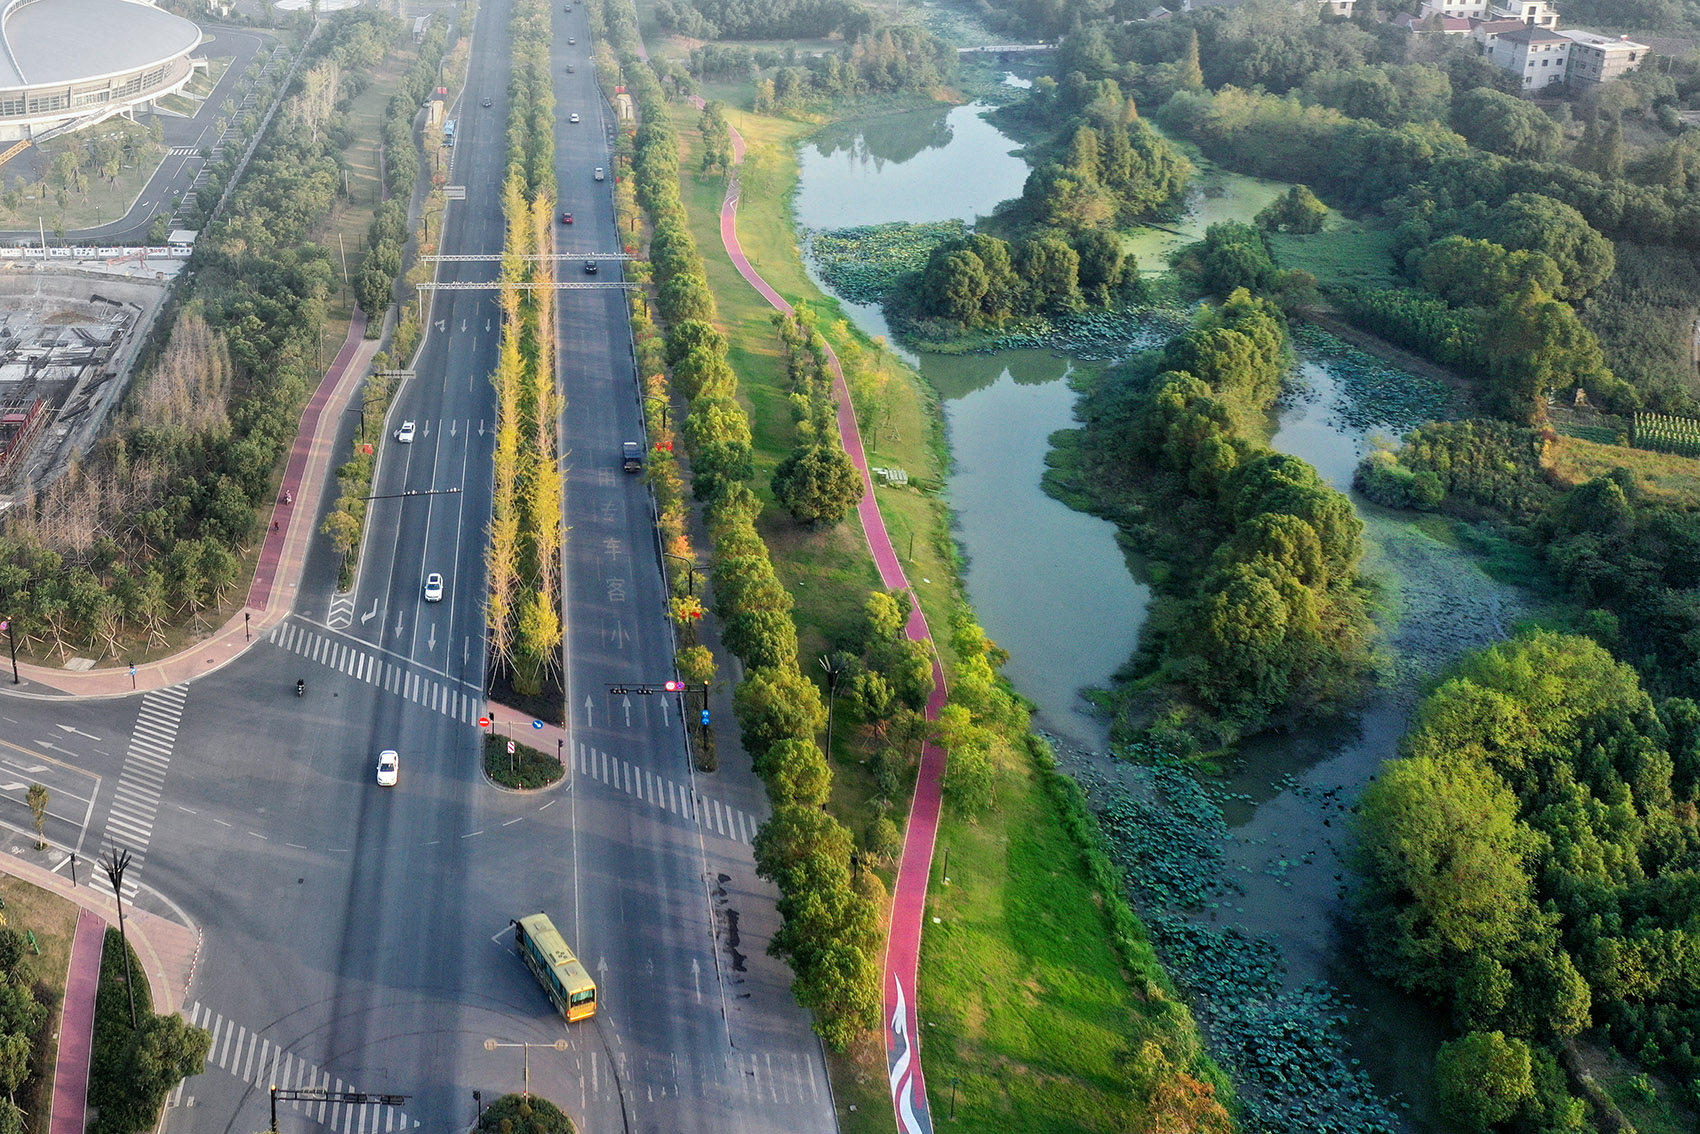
x=295 y=473
x=76 y=1026
x=909 y=898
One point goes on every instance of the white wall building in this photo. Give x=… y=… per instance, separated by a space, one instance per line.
x=1540 y=56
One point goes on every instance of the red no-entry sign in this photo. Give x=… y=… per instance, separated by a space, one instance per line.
x=483 y=722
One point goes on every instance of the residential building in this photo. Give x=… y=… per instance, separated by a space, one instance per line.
x=1539 y=55
x=1536 y=13
x=1600 y=58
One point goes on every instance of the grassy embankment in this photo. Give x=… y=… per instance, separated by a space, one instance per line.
x=53 y=920
x=344 y=232
x=1029 y=1013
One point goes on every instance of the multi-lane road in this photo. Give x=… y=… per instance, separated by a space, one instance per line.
x=357 y=937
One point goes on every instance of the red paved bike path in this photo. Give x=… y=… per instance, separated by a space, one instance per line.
x=76 y=1027
x=909 y=898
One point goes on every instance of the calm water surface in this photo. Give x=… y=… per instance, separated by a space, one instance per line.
x=1053 y=587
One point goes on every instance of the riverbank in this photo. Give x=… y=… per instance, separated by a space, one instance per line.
x=1029 y=1006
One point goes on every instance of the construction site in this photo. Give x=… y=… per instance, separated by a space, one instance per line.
x=67 y=346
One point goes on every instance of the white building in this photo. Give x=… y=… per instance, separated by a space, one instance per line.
x=1537 y=54
x=1535 y=13
x=71 y=63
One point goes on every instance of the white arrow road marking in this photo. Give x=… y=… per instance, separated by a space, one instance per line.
x=666 y=718
x=442 y=324
x=431 y=643
x=627 y=702
x=589 y=717
x=79 y=732
x=398 y=625
x=452 y=425
x=463 y=326
x=370 y=614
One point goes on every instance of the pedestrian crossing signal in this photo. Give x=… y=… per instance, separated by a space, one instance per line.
x=705 y=718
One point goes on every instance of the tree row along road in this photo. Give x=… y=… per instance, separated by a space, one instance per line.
x=909 y=898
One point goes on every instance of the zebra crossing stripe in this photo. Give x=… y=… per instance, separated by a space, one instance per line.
x=135 y=796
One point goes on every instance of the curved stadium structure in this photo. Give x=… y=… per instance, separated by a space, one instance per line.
x=65 y=64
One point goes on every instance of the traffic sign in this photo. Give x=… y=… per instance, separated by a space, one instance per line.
x=483 y=722
x=536 y=724
x=510 y=748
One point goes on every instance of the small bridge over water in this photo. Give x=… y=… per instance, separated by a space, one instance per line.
x=1007 y=49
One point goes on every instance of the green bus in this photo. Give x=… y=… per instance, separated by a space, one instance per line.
x=562 y=975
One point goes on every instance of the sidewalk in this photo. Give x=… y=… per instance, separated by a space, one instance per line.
x=167 y=952
x=283 y=552
x=909 y=896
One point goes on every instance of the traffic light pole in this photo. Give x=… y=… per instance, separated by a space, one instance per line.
x=324 y=1094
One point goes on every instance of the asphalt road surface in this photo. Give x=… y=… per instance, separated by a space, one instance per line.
x=356 y=937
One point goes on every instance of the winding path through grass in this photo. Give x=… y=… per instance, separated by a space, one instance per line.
x=909 y=897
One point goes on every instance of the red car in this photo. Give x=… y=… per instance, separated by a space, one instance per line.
x=566 y=218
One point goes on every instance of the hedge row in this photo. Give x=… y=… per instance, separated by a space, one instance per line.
x=374 y=288
x=830 y=932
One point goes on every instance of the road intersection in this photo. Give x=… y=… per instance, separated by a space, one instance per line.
x=357 y=937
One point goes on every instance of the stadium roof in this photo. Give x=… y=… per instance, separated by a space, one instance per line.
x=61 y=41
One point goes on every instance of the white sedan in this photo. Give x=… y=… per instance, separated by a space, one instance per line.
x=433 y=587
x=405 y=433
x=572 y=118
x=389 y=768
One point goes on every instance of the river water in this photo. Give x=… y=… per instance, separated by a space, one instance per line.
x=1050 y=584
x=1054 y=587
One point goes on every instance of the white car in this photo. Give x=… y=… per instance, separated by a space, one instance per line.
x=389 y=768
x=572 y=118
x=433 y=587
x=599 y=173
x=405 y=433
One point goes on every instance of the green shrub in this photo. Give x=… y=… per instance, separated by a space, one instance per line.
x=131 y=1070
x=525 y=1114
x=527 y=768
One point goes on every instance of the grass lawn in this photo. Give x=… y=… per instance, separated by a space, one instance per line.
x=205 y=81
x=344 y=231
x=53 y=920
x=1664 y=477
x=1022 y=999
x=1347 y=252
x=99 y=200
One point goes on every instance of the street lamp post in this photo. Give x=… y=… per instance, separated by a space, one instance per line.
x=691 y=570
x=666 y=407
x=558 y=1045
x=12 y=641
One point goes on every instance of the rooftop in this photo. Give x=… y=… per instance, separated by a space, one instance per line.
x=60 y=41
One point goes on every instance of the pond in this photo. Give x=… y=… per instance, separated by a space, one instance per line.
x=1050 y=585
x=1055 y=588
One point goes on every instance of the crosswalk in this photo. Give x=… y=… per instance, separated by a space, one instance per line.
x=184 y=151
x=135 y=801
x=366 y=664
x=256 y=1060
x=713 y=816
